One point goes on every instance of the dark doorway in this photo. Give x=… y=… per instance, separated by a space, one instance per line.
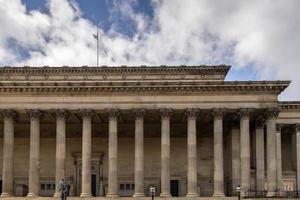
x=94 y=185
x=174 y=188
x=1 y=186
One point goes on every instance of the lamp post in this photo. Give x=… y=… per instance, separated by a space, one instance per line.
x=238 y=191
x=152 y=192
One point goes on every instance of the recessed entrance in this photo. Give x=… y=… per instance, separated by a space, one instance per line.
x=174 y=188
x=94 y=185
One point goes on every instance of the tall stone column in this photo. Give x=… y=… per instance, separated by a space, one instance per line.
x=260 y=154
x=218 y=152
x=272 y=115
x=165 y=152
x=297 y=129
x=192 y=152
x=34 y=153
x=278 y=158
x=245 y=149
x=8 y=153
x=86 y=152
x=235 y=154
x=113 y=115
x=139 y=153
x=60 y=164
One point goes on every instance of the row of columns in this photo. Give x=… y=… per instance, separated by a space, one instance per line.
x=241 y=152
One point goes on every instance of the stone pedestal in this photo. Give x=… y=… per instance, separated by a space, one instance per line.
x=113 y=115
x=60 y=165
x=165 y=152
x=218 y=153
x=8 y=153
x=34 y=153
x=139 y=154
x=192 y=152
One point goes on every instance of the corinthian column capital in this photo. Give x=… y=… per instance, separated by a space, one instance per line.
x=192 y=113
x=61 y=113
x=35 y=114
x=139 y=113
x=87 y=113
x=245 y=112
x=279 y=127
x=218 y=112
x=165 y=113
x=8 y=113
x=259 y=122
x=272 y=113
x=113 y=113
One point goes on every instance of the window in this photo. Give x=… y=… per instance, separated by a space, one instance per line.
x=122 y=187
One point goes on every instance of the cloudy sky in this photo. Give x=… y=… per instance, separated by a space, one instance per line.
x=260 y=39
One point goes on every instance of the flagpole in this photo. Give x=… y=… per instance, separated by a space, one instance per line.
x=97 y=46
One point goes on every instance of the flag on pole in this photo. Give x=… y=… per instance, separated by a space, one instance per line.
x=95 y=36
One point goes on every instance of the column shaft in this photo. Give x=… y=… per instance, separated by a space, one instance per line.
x=34 y=154
x=278 y=158
x=298 y=156
x=218 y=153
x=165 y=153
x=245 y=150
x=260 y=158
x=8 y=154
x=60 y=165
x=192 y=153
x=271 y=153
x=235 y=153
x=86 y=153
x=139 y=154
x=113 y=154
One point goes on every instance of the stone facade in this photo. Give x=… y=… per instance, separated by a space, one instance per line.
x=117 y=131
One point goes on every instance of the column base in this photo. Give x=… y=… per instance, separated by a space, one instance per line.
x=111 y=195
x=165 y=195
x=218 y=194
x=270 y=194
x=138 y=195
x=5 y=194
x=31 y=194
x=85 y=195
x=56 y=194
x=192 y=194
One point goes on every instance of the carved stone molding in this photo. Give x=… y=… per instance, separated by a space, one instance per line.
x=272 y=113
x=113 y=113
x=8 y=113
x=165 y=113
x=192 y=113
x=279 y=127
x=245 y=112
x=297 y=127
x=61 y=114
x=139 y=113
x=87 y=113
x=218 y=112
x=259 y=122
x=35 y=114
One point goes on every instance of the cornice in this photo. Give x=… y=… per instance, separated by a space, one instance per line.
x=116 y=69
x=271 y=87
x=289 y=105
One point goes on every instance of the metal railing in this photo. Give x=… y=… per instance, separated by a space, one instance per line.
x=278 y=194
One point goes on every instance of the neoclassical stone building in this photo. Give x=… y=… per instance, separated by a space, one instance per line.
x=117 y=131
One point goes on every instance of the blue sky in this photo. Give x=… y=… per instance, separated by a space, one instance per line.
x=258 y=38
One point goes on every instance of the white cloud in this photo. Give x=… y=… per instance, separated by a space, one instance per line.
x=264 y=33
